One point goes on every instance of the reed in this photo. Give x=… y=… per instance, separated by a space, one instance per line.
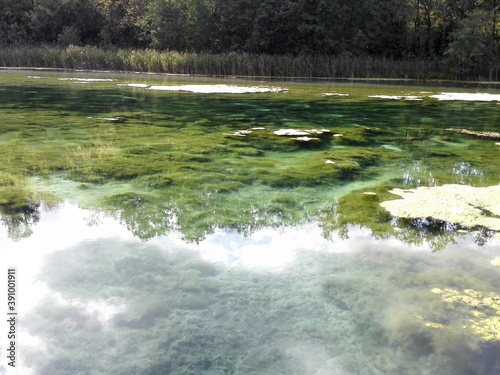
x=224 y=64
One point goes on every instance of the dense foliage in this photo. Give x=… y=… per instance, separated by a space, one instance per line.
x=463 y=33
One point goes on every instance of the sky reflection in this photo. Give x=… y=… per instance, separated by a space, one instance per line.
x=69 y=243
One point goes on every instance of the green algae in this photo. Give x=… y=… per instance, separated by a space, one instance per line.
x=181 y=153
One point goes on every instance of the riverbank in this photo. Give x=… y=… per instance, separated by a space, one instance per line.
x=228 y=64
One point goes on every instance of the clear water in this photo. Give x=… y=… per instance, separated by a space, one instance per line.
x=159 y=243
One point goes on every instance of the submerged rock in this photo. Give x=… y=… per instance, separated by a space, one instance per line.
x=301 y=133
x=481 y=134
x=307 y=139
x=392 y=148
x=110 y=119
x=465 y=205
x=239 y=133
x=291 y=132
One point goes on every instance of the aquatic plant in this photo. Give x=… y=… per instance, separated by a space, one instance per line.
x=223 y=64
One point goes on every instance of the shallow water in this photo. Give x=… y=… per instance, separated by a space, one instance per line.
x=150 y=239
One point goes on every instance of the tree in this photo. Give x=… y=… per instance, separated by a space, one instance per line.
x=120 y=24
x=200 y=25
x=233 y=21
x=386 y=28
x=469 y=51
x=14 y=16
x=164 y=24
x=50 y=19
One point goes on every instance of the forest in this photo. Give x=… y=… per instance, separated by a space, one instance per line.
x=461 y=36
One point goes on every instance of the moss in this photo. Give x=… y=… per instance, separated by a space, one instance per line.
x=267 y=141
x=128 y=200
x=7 y=179
x=157 y=181
x=351 y=136
x=247 y=151
x=362 y=155
x=359 y=209
x=84 y=187
x=14 y=199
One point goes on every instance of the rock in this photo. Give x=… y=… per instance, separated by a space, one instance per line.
x=138 y=85
x=319 y=131
x=392 y=148
x=307 y=139
x=481 y=134
x=333 y=94
x=111 y=119
x=397 y=97
x=218 y=89
x=301 y=133
x=475 y=97
x=239 y=133
x=291 y=132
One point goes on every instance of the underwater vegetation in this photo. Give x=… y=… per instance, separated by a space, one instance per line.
x=162 y=160
x=247 y=233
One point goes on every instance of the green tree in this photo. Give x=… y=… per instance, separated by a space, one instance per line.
x=14 y=17
x=120 y=23
x=233 y=22
x=470 y=51
x=50 y=19
x=165 y=24
x=385 y=27
x=200 y=25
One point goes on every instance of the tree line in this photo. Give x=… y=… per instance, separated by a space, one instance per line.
x=464 y=33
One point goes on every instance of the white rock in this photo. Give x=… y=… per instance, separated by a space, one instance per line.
x=306 y=139
x=397 y=97
x=333 y=94
x=473 y=97
x=218 y=89
x=138 y=85
x=87 y=79
x=291 y=132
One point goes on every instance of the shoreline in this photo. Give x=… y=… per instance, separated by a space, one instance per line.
x=387 y=80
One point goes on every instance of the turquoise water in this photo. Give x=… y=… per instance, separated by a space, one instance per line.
x=150 y=239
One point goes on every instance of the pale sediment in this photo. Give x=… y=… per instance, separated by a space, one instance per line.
x=465 y=205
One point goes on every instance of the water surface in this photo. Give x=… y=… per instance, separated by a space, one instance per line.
x=150 y=237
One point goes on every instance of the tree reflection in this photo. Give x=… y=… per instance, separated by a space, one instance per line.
x=146 y=218
x=363 y=210
x=20 y=224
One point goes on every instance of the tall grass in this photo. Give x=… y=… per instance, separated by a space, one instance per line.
x=224 y=64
